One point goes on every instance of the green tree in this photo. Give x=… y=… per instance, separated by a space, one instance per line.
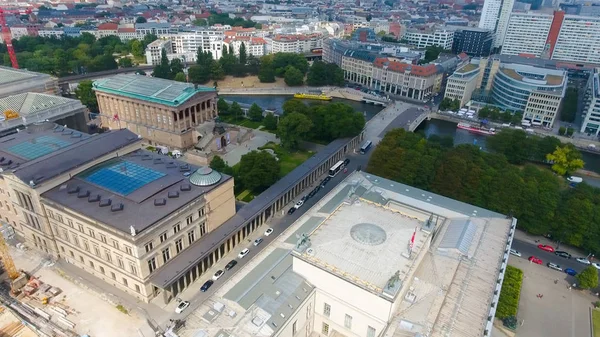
x=236 y=110
x=270 y=121
x=198 y=74
x=321 y=74
x=253 y=65
x=293 y=77
x=216 y=71
x=562 y=130
x=255 y=113
x=228 y=62
x=148 y=38
x=292 y=128
x=222 y=106
x=219 y=165
x=201 y=23
x=141 y=19
x=266 y=74
x=295 y=105
x=570 y=105
x=163 y=69
x=258 y=170
x=588 y=278
x=136 y=48
x=566 y=160
x=175 y=67
x=180 y=77
x=125 y=62
x=86 y=95
x=243 y=56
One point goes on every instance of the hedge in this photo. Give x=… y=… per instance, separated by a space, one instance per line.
x=508 y=304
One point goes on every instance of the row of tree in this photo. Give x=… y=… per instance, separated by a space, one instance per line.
x=257 y=171
x=570 y=104
x=540 y=200
x=75 y=55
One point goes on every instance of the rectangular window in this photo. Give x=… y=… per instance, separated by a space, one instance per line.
x=97 y=250
x=115 y=244
x=81 y=259
x=102 y=269
x=80 y=227
x=149 y=246
x=92 y=264
x=325 y=329
x=152 y=264
x=202 y=229
x=137 y=288
x=176 y=228
x=103 y=238
x=128 y=250
x=326 y=310
x=201 y=212
x=72 y=255
x=92 y=234
x=178 y=245
x=163 y=237
x=108 y=255
x=294 y=328
x=125 y=281
x=65 y=234
x=166 y=253
x=348 y=321
x=86 y=246
x=114 y=277
x=133 y=268
x=75 y=239
x=50 y=214
x=370 y=331
x=70 y=223
x=59 y=218
x=120 y=262
x=191 y=237
x=188 y=220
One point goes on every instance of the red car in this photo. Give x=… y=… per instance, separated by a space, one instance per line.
x=546 y=248
x=535 y=260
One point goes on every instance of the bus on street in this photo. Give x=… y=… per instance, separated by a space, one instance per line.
x=335 y=169
x=366 y=146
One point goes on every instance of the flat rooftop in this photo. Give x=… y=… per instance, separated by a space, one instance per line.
x=8 y=76
x=467 y=68
x=150 y=89
x=363 y=242
x=137 y=189
x=28 y=108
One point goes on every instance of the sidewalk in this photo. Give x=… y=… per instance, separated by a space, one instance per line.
x=540 y=240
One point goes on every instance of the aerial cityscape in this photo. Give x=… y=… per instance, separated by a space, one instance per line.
x=300 y=168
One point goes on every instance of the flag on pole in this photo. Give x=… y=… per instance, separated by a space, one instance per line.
x=116 y=118
x=412 y=239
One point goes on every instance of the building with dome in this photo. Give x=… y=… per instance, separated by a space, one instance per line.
x=372 y=258
x=108 y=207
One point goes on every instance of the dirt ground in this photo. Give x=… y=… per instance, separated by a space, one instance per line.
x=248 y=82
x=84 y=307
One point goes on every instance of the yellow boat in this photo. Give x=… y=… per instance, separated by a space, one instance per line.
x=313 y=96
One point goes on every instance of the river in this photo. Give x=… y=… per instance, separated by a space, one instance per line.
x=434 y=126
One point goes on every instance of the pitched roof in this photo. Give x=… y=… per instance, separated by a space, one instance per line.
x=108 y=26
x=400 y=67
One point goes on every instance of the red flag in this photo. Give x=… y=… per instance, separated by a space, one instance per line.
x=115 y=117
x=412 y=239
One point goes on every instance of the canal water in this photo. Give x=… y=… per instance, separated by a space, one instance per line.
x=445 y=128
x=275 y=102
x=431 y=127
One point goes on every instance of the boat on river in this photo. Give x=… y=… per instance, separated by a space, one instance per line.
x=476 y=129
x=320 y=97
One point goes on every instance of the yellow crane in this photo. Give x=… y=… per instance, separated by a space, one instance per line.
x=7 y=260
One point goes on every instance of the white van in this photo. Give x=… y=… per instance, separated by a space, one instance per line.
x=574 y=179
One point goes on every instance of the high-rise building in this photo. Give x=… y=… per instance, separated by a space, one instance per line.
x=591 y=122
x=494 y=16
x=474 y=41
x=422 y=38
x=557 y=36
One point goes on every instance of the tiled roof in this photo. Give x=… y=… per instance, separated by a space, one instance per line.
x=10 y=75
x=126 y=30
x=295 y=37
x=108 y=26
x=32 y=103
x=400 y=67
x=149 y=89
x=246 y=39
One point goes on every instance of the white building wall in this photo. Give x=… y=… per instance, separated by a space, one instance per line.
x=527 y=33
x=578 y=40
x=301 y=324
x=502 y=24
x=490 y=14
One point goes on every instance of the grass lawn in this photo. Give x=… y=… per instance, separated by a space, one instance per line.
x=241 y=122
x=246 y=196
x=596 y=321
x=287 y=160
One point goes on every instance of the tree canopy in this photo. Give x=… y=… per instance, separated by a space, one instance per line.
x=255 y=113
x=321 y=74
x=258 y=170
x=293 y=77
x=588 y=278
x=541 y=201
x=86 y=95
x=565 y=160
x=292 y=128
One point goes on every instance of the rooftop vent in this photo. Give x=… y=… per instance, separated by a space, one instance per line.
x=158 y=161
x=169 y=164
x=185 y=187
x=173 y=194
x=83 y=194
x=147 y=157
x=116 y=207
x=38 y=177
x=105 y=202
x=73 y=189
x=160 y=202
x=184 y=168
x=130 y=138
x=94 y=198
x=1 y=159
x=6 y=163
x=76 y=135
x=59 y=129
x=67 y=132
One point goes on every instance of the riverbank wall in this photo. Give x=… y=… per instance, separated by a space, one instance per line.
x=343 y=93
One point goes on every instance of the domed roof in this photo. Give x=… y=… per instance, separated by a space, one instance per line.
x=368 y=234
x=205 y=176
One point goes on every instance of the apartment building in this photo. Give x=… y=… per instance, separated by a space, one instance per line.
x=161 y=111
x=256 y=46
x=461 y=84
x=570 y=38
x=206 y=40
x=107 y=29
x=296 y=43
x=392 y=76
x=473 y=41
x=158 y=29
x=100 y=203
x=423 y=38
x=154 y=50
x=495 y=16
x=591 y=121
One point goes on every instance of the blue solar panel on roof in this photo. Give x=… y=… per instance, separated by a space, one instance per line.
x=121 y=176
x=38 y=147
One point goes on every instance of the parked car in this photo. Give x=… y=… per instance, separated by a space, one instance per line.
x=554 y=266
x=583 y=260
x=515 y=253
x=346 y=162
x=243 y=253
x=596 y=265
x=535 y=260
x=562 y=254
x=292 y=210
x=182 y=306
x=231 y=264
x=218 y=275
x=546 y=248
x=299 y=204
x=258 y=241
x=206 y=285
x=268 y=231
x=570 y=271
x=312 y=194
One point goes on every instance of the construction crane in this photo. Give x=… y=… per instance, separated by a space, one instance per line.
x=9 y=265
x=6 y=36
